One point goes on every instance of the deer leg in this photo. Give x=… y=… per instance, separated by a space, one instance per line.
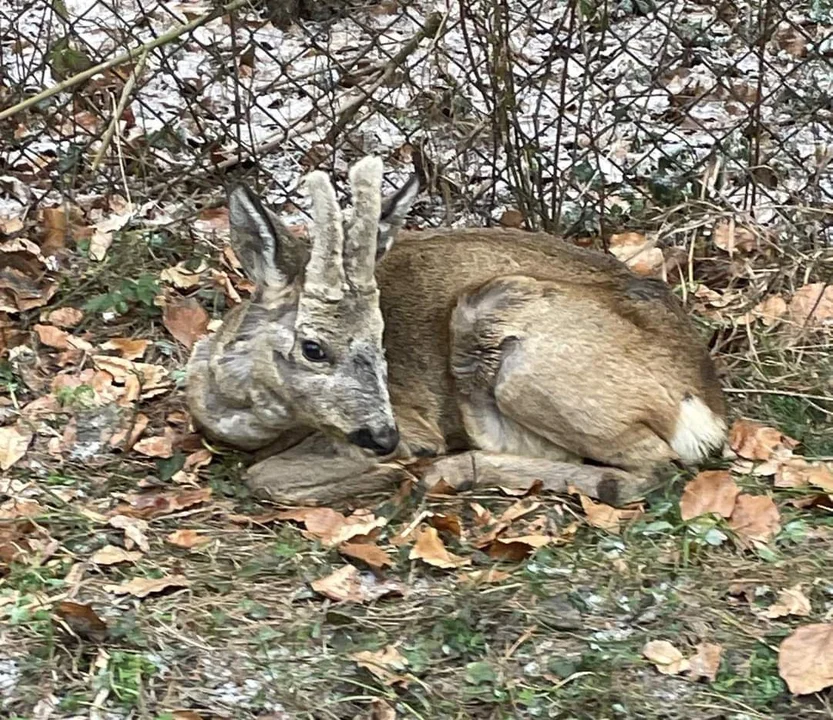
x=321 y=471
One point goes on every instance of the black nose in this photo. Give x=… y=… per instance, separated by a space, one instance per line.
x=382 y=441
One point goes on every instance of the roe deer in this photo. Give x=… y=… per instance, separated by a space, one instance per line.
x=496 y=340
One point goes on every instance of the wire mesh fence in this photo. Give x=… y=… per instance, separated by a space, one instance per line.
x=581 y=116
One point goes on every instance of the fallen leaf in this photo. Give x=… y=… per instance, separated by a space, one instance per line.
x=711 y=491
x=186 y=320
x=668 y=660
x=706 y=661
x=55 y=224
x=385 y=664
x=754 y=441
x=368 y=553
x=142 y=587
x=812 y=305
x=347 y=584
x=637 y=252
x=512 y=218
x=481 y=577
x=14 y=441
x=519 y=509
x=515 y=549
x=791 y=601
x=380 y=710
x=771 y=310
x=82 y=620
x=52 y=336
x=134 y=530
x=430 y=549
x=446 y=523
x=797 y=472
x=65 y=317
x=331 y=527
x=155 y=504
x=159 y=446
x=600 y=515
x=128 y=348
x=805 y=659
x=150 y=376
x=186 y=538
x=182 y=277
x=729 y=236
x=112 y=555
x=100 y=243
x=755 y=517
x=127 y=438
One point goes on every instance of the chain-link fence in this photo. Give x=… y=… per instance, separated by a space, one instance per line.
x=584 y=116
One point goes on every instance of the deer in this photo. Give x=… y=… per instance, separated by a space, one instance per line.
x=367 y=347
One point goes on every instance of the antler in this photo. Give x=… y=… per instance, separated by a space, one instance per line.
x=324 y=276
x=360 y=245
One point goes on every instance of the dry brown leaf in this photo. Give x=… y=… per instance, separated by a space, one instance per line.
x=711 y=491
x=368 y=553
x=667 y=659
x=729 y=236
x=600 y=515
x=182 y=277
x=754 y=441
x=160 y=446
x=186 y=538
x=65 y=317
x=446 y=523
x=186 y=320
x=791 y=601
x=812 y=305
x=637 y=252
x=519 y=509
x=797 y=472
x=134 y=531
x=128 y=348
x=515 y=549
x=52 y=336
x=112 y=555
x=805 y=659
x=347 y=584
x=331 y=527
x=82 y=620
x=385 y=664
x=380 y=710
x=755 y=517
x=55 y=224
x=771 y=310
x=15 y=508
x=122 y=369
x=481 y=577
x=14 y=441
x=126 y=442
x=430 y=549
x=197 y=459
x=142 y=587
x=155 y=504
x=706 y=661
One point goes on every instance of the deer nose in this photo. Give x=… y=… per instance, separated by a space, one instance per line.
x=382 y=441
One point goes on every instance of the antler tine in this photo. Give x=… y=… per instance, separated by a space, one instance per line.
x=360 y=245
x=324 y=276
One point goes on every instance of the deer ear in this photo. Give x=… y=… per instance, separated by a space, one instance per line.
x=394 y=209
x=256 y=237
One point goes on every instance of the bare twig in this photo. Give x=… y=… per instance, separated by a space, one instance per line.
x=168 y=37
x=117 y=113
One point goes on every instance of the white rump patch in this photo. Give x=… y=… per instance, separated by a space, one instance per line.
x=698 y=431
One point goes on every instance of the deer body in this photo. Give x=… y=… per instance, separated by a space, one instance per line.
x=515 y=342
x=495 y=340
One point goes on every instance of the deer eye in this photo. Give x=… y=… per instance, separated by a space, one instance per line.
x=313 y=351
